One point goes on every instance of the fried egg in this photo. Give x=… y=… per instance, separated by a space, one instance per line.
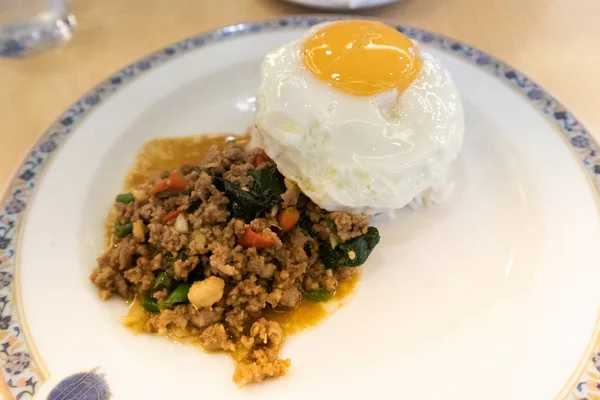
x=358 y=116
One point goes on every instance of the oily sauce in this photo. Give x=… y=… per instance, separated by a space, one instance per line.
x=310 y=313
x=169 y=154
x=162 y=154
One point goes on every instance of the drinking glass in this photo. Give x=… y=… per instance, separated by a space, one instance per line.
x=28 y=26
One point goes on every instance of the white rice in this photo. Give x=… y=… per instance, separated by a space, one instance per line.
x=438 y=193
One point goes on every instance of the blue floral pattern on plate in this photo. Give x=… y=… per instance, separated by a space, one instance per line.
x=21 y=372
x=82 y=386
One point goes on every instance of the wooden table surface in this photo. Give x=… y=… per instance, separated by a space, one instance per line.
x=553 y=41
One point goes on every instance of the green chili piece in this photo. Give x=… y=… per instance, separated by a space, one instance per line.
x=124 y=198
x=149 y=303
x=162 y=281
x=318 y=295
x=178 y=295
x=121 y=231
x=182 y=255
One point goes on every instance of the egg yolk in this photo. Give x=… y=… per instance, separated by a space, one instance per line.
x=362 y=58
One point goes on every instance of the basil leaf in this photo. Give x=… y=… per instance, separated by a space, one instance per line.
x=178 y=295
x=268 y=185
x=242 y=204
x=351 y=253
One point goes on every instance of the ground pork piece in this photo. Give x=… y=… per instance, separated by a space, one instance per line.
x=346 y=273
x=349 y=225
x=345 y=225
x=237 y=227
x=108 y=281
x=156 y=209
x=152 y=212
x=217 y=162
x=126 y=212
x=214 y=162
x=262 y=224
x=126 y=252
x=319 y=277
x=176 y=202
x=238 y=258
x=152 y=264
x=259 y=353
x=322 y=229
x=129 y=212
x=182 y=268
x=108 y=278
x=140 y=278
x=293 y=256
x=203 y=187
x=259 y=368
x=161 y=295
x=256 y=264
x=238 y=174
x=157 y=262
x=264 y=332
x=291 y=194
x=205 y=316
x=255 y=261
x=213 y=211
x=144 y=264
x=236 y=320
x=165 y=236
x=320 y=225
x=220 y=263
x=121 y=287
x=175 y=318
x=275 y=297
x=290 y=297
x=215 y=338
x=234 y=152
x=294 y=261
x=224 y=235
x=227 y=260
x=191 y=172
x=248 y=294
x=110 y=257
x=303 y=246
x=120 y=256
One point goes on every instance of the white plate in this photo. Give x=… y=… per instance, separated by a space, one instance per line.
x=493 y=295
x=342 y=5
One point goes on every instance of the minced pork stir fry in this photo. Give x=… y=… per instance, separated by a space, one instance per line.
x=211 y=248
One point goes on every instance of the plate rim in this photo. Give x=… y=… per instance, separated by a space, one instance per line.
x=23 y=370
x=323 y=7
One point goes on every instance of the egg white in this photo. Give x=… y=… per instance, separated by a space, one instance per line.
x=351 y=153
